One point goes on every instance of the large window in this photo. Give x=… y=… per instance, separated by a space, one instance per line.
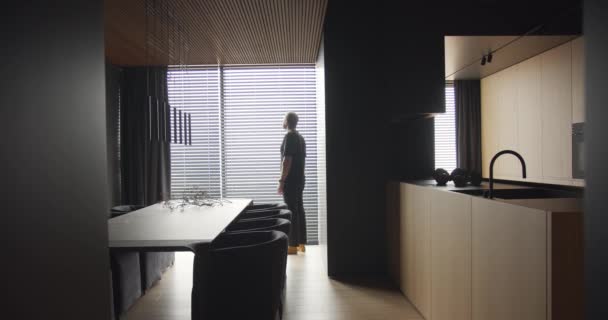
x=445 y=133
x=196 y=90
x=237 y=115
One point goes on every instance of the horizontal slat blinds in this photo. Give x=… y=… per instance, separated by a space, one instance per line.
x=256 y=99
x=445 y=133
x=196 y=90
x=237 y=116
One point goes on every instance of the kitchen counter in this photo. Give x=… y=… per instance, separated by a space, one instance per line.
x=571 y=205
x=456 y=254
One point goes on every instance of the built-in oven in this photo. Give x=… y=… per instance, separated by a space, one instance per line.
x=578 y=150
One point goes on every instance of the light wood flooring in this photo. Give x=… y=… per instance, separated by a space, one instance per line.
x=310 y=295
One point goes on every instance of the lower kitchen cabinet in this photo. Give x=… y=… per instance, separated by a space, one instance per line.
x=509 y=261
x=469 y=258
x=450 y=256
x=415 y=263
x=460 y=257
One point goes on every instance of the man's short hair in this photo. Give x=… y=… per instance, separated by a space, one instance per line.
x=292 y=120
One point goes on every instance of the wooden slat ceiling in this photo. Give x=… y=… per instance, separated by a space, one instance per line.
x=215 y=31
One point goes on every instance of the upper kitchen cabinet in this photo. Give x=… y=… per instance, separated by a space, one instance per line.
x=489 y=102
x=529 y=116
x=507 y=122
x=556 y=96
x=413 y=63
x=530 y=108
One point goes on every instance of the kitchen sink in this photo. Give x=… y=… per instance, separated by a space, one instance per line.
x=527 y=193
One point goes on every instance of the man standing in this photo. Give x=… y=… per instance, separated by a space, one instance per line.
x=291 y=183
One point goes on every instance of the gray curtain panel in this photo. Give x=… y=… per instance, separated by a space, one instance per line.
x=468 y=124
x=145 y=136
x=145 y=152
x=113 y=81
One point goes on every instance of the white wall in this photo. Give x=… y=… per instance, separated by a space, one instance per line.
x=530 y=108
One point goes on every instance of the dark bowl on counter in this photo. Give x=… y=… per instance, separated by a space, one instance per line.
x=460 y=177
x=460 y=181
x=475 y=178
x=441 y=176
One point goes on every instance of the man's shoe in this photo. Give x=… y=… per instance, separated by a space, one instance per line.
x=292 y=250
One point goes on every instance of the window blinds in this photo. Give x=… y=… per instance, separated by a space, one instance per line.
x=237 y=117
x=196 y=90
x=445 y=133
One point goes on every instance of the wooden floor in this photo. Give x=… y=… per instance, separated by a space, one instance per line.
x=310 y=295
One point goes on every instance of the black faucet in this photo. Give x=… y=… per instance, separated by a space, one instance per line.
x=523 y=168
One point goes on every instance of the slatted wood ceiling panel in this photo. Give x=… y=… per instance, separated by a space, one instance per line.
x=220 y=31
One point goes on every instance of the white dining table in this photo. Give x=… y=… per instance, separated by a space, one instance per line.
x=158 y=228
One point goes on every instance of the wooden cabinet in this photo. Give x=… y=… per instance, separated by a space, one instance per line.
x=507 y=122
x=470 y=258
x=500 y=115
x=450 y=256
x=509 y=261
x=530 y=108
x=489 y=104
x=393 y=230
x=406 y=237
x=578 y=80
x=415 y=261
x=556 y=96
x=529 y=117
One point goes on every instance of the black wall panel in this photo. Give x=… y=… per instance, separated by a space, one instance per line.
x=53 y=158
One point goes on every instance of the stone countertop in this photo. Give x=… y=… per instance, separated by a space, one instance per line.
x=572 y=205
x=450 y=185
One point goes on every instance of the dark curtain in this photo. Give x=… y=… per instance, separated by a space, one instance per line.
x=468 y=124
x=145 y=136
x=113 y=81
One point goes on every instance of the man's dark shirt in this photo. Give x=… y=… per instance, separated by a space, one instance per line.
x=294 y=145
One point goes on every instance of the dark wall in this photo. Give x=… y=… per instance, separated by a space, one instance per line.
x=596 y=135
x=113 y=84
x=514 y=17
x=384 y=66
x=54 y=170
x=355 y=141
